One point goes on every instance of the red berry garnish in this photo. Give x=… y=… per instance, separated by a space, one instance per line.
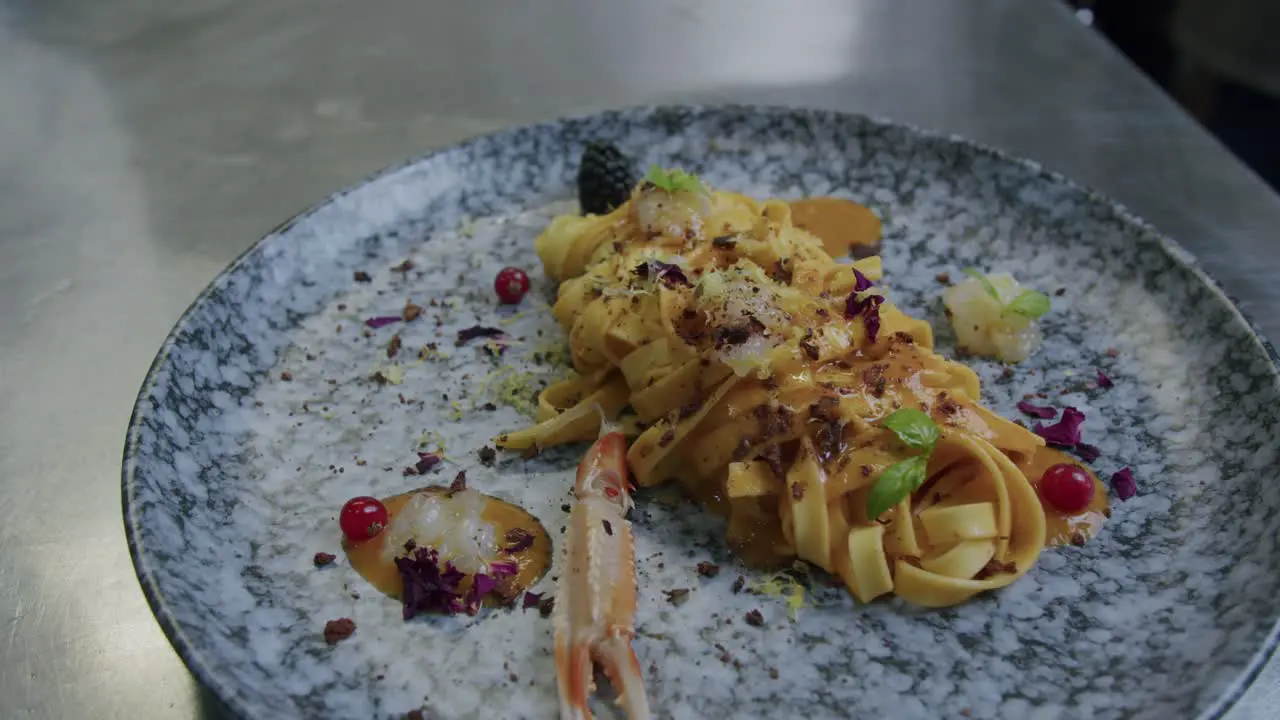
x=1067 y=487
x=511 y=285
x=362 y=518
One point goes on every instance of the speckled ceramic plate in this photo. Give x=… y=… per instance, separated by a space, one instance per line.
x=260 y=418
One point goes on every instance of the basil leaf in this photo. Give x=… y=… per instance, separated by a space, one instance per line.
x=895 y=483
x=675 y=180
x=1030 y=303
x=914 y=428
x=986 y=284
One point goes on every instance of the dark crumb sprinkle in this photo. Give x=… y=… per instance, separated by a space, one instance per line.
x=1112 y=352
x=361 y=276
x=738 y=584
x=335 y=631
x=565 y=507
x=678 y=597
x=754 y=618
x=286 y=376
x=414 y=715
x=486 y=455
x=1060 y=292
x=608 y=529
x=393 y=347
x=708 y=569
x=546 y=606
x=323 y=558
x=405 y=266
x=459 y=482
x=944 y=278
x=1007 y=373
x=667 y=437
x=489 y=407
x=773 y=673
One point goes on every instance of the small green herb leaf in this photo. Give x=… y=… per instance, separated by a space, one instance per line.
x=986 y=284
x=1031 y=303
x=895 y=483
x=914 y=428
x=675 y=180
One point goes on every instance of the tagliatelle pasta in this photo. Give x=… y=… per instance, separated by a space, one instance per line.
x=756 y=371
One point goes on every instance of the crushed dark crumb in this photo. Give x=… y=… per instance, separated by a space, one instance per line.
x=1060 y=292
x=360 y=276
x=335 y=631
x=738 y=584
x=486 y=455
x=944 y=278
x=678 y=597
x=459 y=482
x=405 y=266
x=323 y=558
x=565 y=507
x=773 y=673
x=608 y=529
x=755 y=618
x=488 y=407
x=995 y=567
x=286 y=376
x=708 y=569
x=546 y=606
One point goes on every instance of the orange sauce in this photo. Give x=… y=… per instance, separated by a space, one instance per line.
x=1060 y=528
x=842 y=225
x=369 y=559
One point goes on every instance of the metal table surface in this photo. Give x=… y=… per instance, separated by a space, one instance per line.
x=144 y=144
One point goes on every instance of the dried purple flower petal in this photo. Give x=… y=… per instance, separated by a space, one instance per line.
x=503 y=567
x=1103 y=380
x=1087 y=452
x=1064 y=433
x=481 y=585
x=477 y=331
x=868 y=307
x=1044 y=412
x=670 y=275
x=531 y=600
x=429 y=586
x=426 y=461
x=519 y=539
x=1124 y=484
x=382 y=321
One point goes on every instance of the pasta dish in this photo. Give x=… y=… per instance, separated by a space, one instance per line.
x=785 y=390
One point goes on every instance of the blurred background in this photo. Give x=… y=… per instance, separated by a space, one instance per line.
x=1219 y=58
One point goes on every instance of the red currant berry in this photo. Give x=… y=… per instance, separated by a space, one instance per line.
x=362 y=518
x=511 y=284
x=1067 y=487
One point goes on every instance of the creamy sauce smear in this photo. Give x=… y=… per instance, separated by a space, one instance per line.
x=843 y=226
x=372 y=562
x=1061 y=528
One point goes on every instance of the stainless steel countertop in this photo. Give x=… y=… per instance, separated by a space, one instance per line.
x=144 y=144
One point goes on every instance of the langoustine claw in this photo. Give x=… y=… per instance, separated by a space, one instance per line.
x=596 y=595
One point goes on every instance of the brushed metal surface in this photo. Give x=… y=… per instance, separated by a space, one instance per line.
x=144 y=144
